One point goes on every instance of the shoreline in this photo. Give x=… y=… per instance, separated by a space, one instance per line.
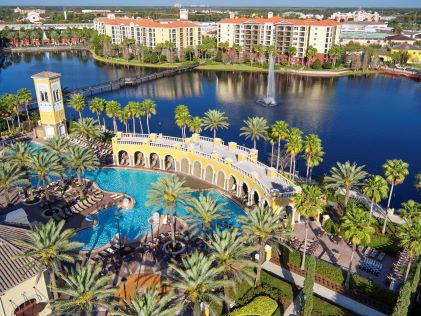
x=37 y=49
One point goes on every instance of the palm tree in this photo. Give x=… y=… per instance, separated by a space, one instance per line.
x=280 y=130
x=309 y=202
x=77 y=102
x=112 y=109
x=272 y=141
x=19 y=153
x=228 y=250
x=375 y=188
x=418 y=182
x=263 y=225
x=291 y=51
x=410 y=237
x=81 y=159
x=311 y=52
x=204 y=211
x=166 y=193
x=411 y=211
x=294 y=146
x=98 y=106
x=312 y=149
x=124 y=116
x=84 y=290
x=86 y=127
x=334 y=53
x=198 y=279
x=136 y=110
x=59 y=145
x=24 y=97
x=214 y=120
x=345 y=176
x=255 y=128
x=149 y=303
x=48 y=246
x=357 y=229
x=11 y=176
x=12 y=103
x=195 y=124
x=182 y=118
x=150 y=109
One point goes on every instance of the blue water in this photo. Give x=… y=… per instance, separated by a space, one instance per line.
x=133 y=222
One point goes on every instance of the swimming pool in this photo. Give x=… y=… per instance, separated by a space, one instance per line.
x=134 y=221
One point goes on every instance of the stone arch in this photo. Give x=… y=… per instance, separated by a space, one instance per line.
x=169 y=162
x=185 y=166
x=123 y=158
x=220 y=179
x=232 y=184
x=154 y=161
x=255 y=197
x=209 y=174
x=197 y=169
x=244 y=191
x=139 y=159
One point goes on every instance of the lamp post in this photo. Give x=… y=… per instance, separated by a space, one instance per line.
x=124 y=280
x=160 y=128
x=150 y=221
x=117 y=216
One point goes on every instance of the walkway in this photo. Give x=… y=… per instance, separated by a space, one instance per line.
x=322 y=291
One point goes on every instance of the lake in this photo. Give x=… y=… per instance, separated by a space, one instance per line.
x=366 y=119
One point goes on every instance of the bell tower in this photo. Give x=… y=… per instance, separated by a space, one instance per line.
x=50 y=103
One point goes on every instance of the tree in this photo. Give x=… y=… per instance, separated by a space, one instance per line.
x=395 y=172
x=214 y=120
x=280 y=130
x=5 y=109
x=112 y=109
x=84 y=290
x=19 y=153
x=81 y=159
x=150 y=109
x=263 y=225
x=255 y=128
x=136 y=109
x=357 y=230
x=166 y=193
x=228 y=250
x=291 y=52
x=311 y=52
x=313 y=152
x=11 y=176
x=309 y=203
x=411 y=211
x=204 y=211
x=77 y=102
x=124 y=116
x=11 y=102
x=86 y=127
x=345 y=176
x=98 y=106
x=49 y=245
x=403 y=301
x=195 y=124
x=307 y=296
x=272 y=141
x=375 y=188
x=334 y=53
x=416 y=278
x=294 y=146
x=418 y=183
x=410 y=237
x=198 y=279
x=59 y=145
x=182 y=118
x=24 y=97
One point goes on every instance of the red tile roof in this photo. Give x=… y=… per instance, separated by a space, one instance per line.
x=278 y=19
x=146 y=22
x=400 y=37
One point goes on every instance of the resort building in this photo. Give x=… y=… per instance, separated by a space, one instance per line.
x=414 y=52
x=281 y=33
x=359 y=15
x=148 y=32
x=365 y=33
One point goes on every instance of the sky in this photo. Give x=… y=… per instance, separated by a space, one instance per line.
x=245 y=3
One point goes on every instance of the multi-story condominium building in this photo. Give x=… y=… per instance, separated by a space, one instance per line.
x=148 y=32
x=358 y=16
x=280 y=33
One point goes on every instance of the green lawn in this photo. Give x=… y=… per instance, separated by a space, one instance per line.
x=324 y=308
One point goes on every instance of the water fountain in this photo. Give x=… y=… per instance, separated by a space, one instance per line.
x=269 y=100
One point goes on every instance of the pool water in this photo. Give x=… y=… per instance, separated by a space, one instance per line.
x=134 y=221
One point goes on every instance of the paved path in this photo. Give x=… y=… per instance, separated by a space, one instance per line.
x=295 y=307
x=322 y=291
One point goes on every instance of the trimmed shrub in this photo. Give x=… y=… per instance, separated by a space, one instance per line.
x=327 y=66
x=317 y=64
x=261 y=305
x=369 y=288
x=150 y=58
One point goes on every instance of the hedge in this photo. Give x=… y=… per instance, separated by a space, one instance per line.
x=261 y=305
x=324 y=308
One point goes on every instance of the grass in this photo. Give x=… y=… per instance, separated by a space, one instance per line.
x=324 y=308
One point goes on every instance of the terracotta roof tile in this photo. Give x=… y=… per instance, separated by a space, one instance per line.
x=147 y=22
x=46 y=75
x=278 y=19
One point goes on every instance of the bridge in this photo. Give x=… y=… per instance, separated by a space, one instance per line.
x=412 y=74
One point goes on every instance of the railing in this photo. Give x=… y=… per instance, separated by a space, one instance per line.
x=174 y=139
x=242 y=148
x=206 y=139
x=135 y=135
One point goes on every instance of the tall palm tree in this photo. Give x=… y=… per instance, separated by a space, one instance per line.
x=195 y=124
x=294 y=146
x=214 y=120
x=280 y=130
x=49 y=245
x=410 y=237
x=272 y=141
x=411 y=211
x=136 y=110
x=262 y=225
x=312 y=148
x=24 y=97
x=291 y=52
x=309 y=203
x=357 y=230
x=166 y=193
x=81 y=159
x=375 y=188
x=11 y=176
x=77 y=102
x=59 y=145
x=198 y=279
x=345 y=176
x=150 y=109
x=98 y=106
x=203 y=212
x=124 y=116
x=149 y=303
x=112 y=109
x=182 y=118
x=86 y=127
x=255 y=128
x=84 y=290
x=19 y=153
x=12 y=103
x=228 y=250
x=418 y=181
